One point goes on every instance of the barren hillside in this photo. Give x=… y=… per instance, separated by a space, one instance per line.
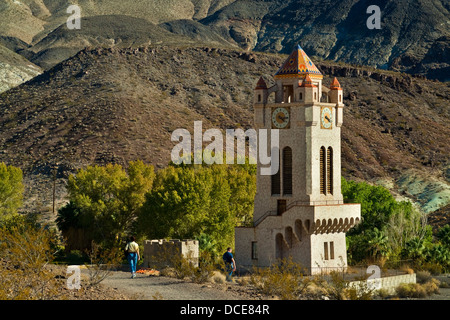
x=116 y=105
x=413 y=35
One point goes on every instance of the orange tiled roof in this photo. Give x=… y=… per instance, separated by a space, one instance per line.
x=298 y=65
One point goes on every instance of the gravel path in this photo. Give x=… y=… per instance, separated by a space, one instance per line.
x=145 y=287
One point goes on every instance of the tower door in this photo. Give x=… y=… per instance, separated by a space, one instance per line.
x=281 y=206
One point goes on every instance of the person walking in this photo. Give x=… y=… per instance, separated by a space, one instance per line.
x=132 y=250
x=230 y=264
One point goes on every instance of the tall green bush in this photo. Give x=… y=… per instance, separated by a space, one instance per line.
x=104 y=203
x=387 y=226
x=198 y=202
x=11 y=190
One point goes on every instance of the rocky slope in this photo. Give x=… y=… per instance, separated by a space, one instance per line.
x=15 y=69
x=116 y=105
x=414 y=35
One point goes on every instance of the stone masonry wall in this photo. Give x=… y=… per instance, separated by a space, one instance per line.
x=160 y=253
x=387 y=283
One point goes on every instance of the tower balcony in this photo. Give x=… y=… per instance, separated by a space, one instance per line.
x=313 y=219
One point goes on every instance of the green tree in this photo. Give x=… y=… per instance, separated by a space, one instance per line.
x=11 y=190
x=199 y=201
x=104 y=201
x=443 y=235
x=387 y=225
x=414 y=249
x=242 y=180
x=440 y=255
x=377 y=203
x=407 y=225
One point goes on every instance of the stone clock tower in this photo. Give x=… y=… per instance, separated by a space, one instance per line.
x=299 y=211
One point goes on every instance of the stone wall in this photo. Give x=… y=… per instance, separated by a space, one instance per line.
x=160 y=253
x=387 y=283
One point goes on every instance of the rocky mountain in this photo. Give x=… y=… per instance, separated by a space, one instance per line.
x=15 y=69
x=413 y=36
x=114 y=90
x=121 y=104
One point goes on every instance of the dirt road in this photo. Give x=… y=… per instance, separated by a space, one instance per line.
x=144 y=287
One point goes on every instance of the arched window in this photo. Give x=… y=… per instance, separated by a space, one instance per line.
x=287 y=170
x=322 y=170
x=276 y=181
x=300 y=96
x=330 y=170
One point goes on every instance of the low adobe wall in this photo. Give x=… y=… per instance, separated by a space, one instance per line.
x=160 y=253
x=387 y=283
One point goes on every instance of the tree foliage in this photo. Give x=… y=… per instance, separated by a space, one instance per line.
x=11 y=190
x=104 y=201
x=199 y=202
x=392 y=230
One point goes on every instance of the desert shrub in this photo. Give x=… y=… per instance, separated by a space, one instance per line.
x=336 y=287
x=432 y=267
x=205 y=269
x=284 y=279
x=417 y=290
x=411 y=290
x=432 y=286
x=382 y=293
x=102 y=263
x=423 y=276
x=25 y=251
x=174 y=264
x=218 y=277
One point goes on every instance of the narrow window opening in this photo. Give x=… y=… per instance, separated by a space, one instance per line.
x=287 y=170
x=329 y=170
x=322 y=170
x=254 y=250
x=276 y=183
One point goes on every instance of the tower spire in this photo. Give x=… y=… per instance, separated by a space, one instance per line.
x=298 y=65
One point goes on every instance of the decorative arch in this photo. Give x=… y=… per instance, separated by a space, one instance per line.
x=288 y=236
x=298 y=229
x=279 y=247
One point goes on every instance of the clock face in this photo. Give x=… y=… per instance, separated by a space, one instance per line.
x=326 y=118
x=280 y=118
